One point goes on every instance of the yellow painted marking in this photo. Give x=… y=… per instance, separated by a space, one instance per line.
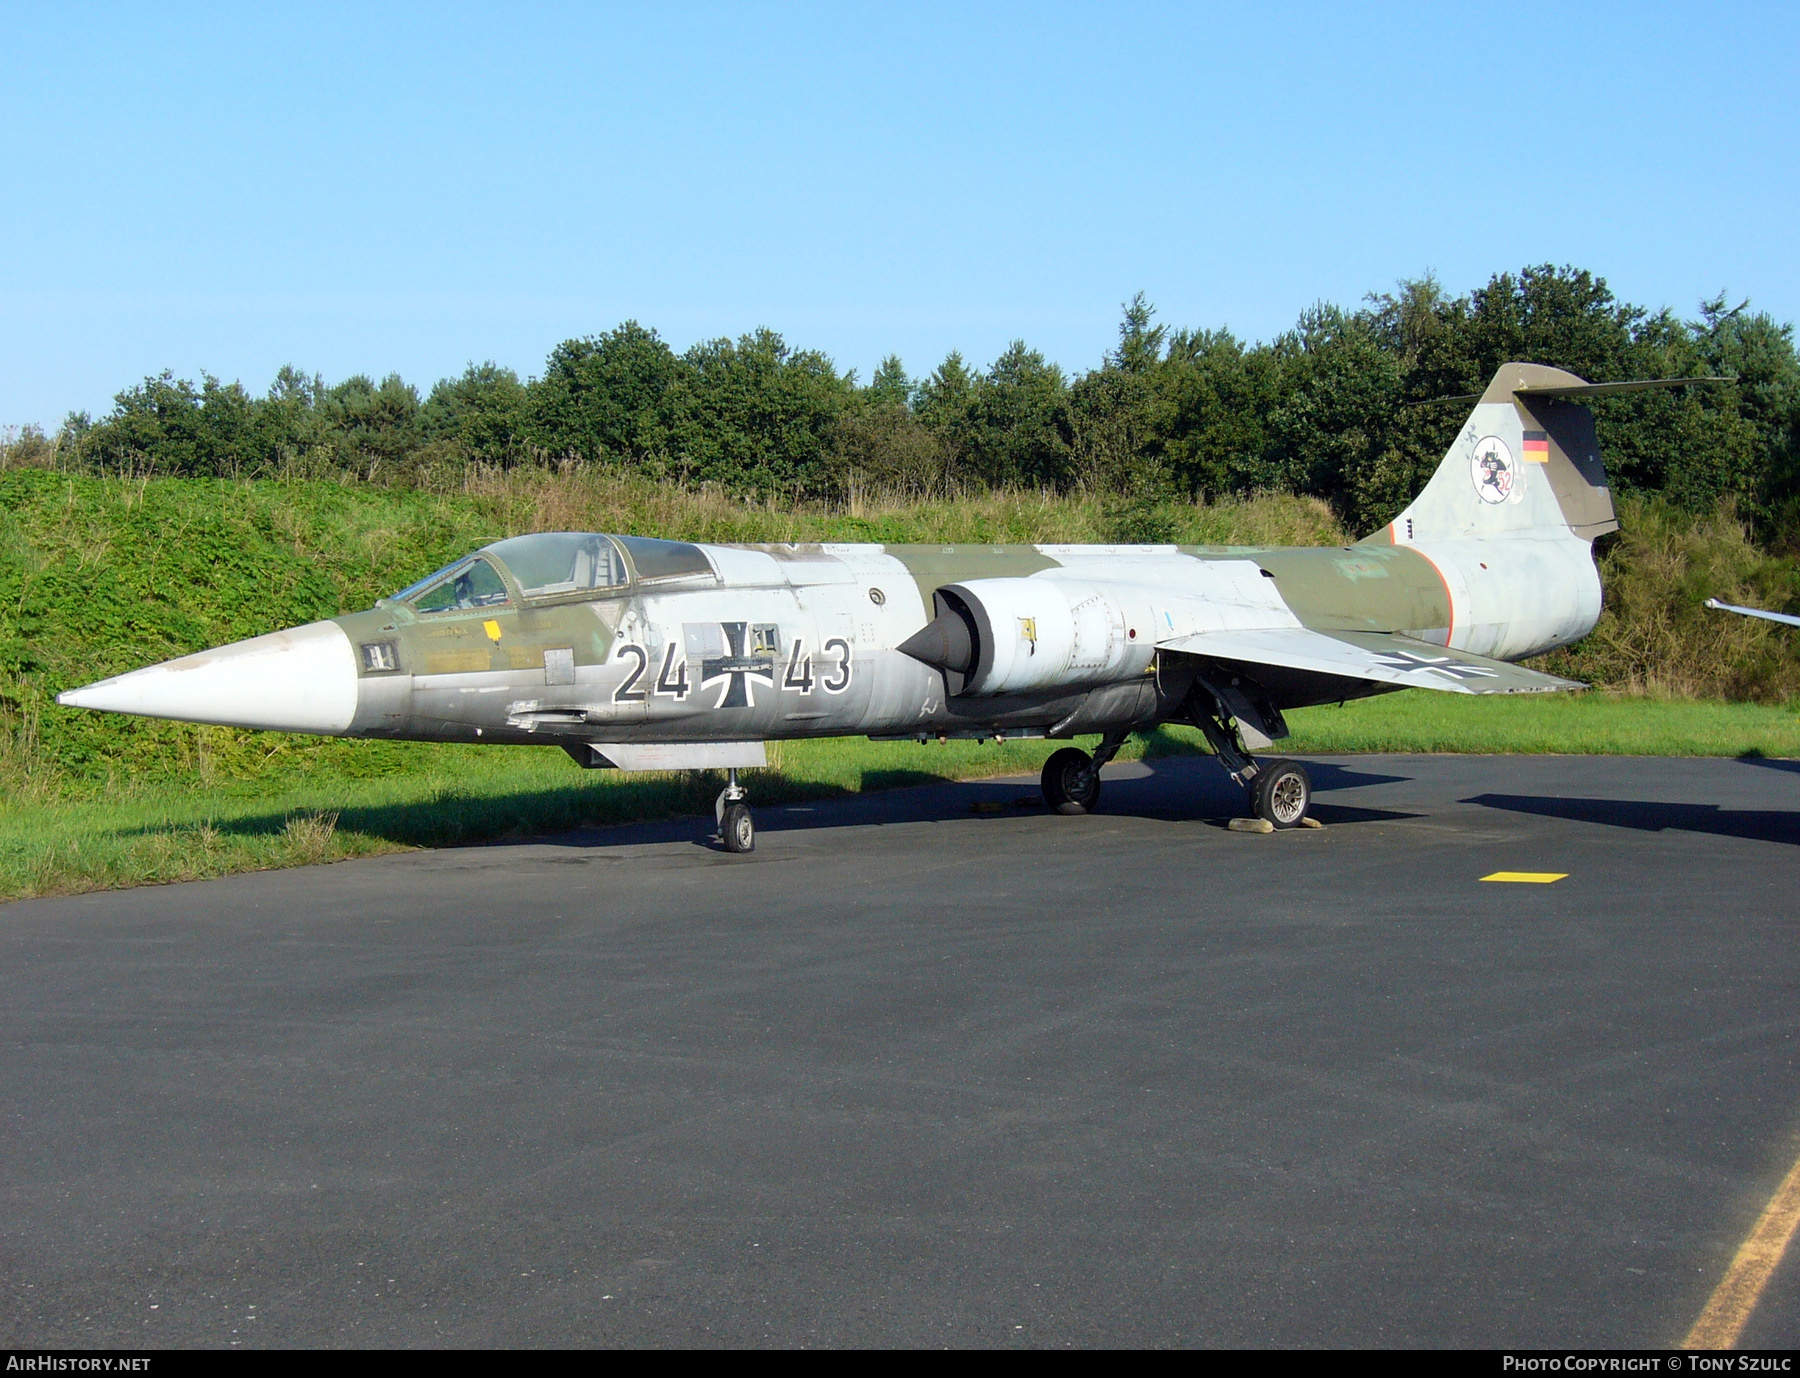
x=1738 y=1291
x=1529 y=877
x=492 y=629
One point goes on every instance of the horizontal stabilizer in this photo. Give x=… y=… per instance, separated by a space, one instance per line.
x=1611 y=389
x=1378 y=656
x=1579 y=391
x=1763 y=613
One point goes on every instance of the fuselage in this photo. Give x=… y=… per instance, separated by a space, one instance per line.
x=737 y=643
x=616 y=647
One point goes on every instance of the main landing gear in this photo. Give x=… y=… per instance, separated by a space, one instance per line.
x=1071 y=780
x=1280 y=791
x=737 y=828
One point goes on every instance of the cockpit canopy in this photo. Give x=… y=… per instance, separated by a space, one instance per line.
x=561 y=562
x=553 y=564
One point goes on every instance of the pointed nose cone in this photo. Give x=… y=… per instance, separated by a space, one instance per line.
x=944 y=642
x=300 y=680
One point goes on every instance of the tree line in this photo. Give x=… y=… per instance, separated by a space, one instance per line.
x=1338 y=407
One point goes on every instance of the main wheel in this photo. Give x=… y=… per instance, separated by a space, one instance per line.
x=738 y=829
x=1281 y=793
x=1071 y=784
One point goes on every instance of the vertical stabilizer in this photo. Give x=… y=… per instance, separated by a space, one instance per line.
x=1526 y=464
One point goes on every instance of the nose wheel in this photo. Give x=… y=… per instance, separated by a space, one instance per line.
x=737 y=826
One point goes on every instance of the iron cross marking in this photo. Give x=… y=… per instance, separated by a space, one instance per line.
x=1442 y=665
x=737 y=669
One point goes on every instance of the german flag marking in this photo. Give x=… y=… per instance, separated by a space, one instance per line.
x=1537 y=447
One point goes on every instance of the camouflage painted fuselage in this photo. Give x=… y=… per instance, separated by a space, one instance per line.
x=652 y=654
x=774 y=642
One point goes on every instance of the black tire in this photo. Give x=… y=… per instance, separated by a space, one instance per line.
x=1281 y=793
x=737 y=829
x=1071 y=784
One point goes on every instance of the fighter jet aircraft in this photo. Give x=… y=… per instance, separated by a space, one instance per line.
x=646 y=654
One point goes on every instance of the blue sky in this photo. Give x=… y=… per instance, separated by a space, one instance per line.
x=366 y=189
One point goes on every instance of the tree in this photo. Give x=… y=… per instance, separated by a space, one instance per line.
x=483 y=412
x=890 y=386
x=1140 y=343
x=754 y=415
x=605 y=396
x=376 y=423
x=1217 y=396
x=941 y=404
x=1015 y=420
x=1328 y=434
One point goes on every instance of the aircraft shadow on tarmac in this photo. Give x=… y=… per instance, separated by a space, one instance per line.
x=1172 y=788
x=1644 y=815
x=1770 y=763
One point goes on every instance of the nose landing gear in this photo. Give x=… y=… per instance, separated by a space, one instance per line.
x=737 y=827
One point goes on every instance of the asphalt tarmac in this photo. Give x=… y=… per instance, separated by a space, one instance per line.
x=914 y=1074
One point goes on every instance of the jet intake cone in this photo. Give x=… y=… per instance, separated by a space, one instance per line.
x=945 y=643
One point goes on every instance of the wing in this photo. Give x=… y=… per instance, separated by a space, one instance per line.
x=1788 y=618
x=1371 y=657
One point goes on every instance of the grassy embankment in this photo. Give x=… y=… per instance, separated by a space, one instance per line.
x=101 y=576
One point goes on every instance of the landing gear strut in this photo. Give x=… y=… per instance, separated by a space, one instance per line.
x=1071 y=780
x=737 y=828
x=1280 y=791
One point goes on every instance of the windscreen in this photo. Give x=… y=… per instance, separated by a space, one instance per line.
x=555 y=562
x=412 y=591
x=473 y=584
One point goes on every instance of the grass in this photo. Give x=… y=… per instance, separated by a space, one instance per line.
x=1590 y=724
x=440 y=795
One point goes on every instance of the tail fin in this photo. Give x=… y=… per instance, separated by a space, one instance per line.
x=1525 y=464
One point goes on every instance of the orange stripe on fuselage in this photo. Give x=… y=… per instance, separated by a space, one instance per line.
x=1449 y=601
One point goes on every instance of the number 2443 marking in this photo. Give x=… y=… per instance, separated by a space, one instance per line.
x=672 y=681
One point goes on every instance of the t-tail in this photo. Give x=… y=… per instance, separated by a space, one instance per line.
x=1511 y=514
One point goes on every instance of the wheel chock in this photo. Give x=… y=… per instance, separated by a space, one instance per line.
x=1251 y=825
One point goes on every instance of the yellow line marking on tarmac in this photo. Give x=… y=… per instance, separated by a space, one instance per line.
x=1529 y=877
x=1732 y=1301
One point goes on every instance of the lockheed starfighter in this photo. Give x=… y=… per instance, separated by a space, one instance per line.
x=643 y=654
